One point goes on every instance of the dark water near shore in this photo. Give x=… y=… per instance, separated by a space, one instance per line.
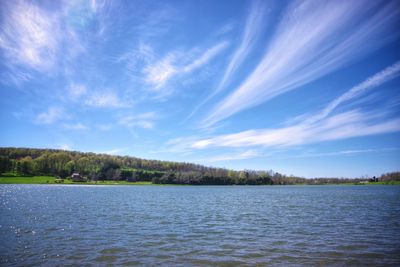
x=53 y=225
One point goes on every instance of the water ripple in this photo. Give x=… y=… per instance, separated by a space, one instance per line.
x=199 y=226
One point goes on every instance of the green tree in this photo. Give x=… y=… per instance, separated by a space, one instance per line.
x=26 y=166
x=82 y=165
x=70 y=167
x=5 y=164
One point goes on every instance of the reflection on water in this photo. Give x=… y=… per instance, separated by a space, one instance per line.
x=206 y=225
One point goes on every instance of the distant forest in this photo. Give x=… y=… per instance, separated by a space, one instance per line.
x=92 y=166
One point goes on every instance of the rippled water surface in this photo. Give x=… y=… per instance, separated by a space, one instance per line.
x=52 y=225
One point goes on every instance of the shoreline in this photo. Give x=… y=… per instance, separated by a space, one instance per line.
x=49 y=180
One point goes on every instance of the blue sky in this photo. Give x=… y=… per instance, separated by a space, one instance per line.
x=309 y=88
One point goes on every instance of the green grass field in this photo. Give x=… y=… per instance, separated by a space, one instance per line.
x=385 y=183
x=13 y=179
x=52 y=180
x=27 y=180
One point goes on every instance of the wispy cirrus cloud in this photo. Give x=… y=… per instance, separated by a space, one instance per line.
x=79 y=93
x=155 y=73
x=75 y=127
x=143 y=120
x=251 y=153
x=80 y=15
x=105 y=99
x=50 y=116
x=160 y=72
x=158 y=22
x=344 y=125
x=75 y=91
x=312 y=40
x=46 y=37
x=376 y=80
x=321 y=126
x=253 y=26
x=29 y=35
x=248 y=154
x=349 y=152
x=205 y=57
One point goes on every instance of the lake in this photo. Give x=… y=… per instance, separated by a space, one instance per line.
x=51 y=225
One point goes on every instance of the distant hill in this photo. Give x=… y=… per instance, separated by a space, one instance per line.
x=92 y=166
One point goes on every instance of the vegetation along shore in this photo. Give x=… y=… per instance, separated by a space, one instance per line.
x=54 y=166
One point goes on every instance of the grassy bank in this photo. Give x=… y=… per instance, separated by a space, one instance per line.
x=27 y=180
x=384 y=183
x=11 y=179
x=52 y=180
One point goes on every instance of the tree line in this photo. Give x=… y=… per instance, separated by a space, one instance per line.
x=92 y=166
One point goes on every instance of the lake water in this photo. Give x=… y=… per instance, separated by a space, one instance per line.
x=51 y=225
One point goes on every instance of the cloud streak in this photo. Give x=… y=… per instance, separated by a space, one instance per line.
x=75 y=91
x=203 y=59
x=75 y=127
x=158 y=73
x=376 y=80
x=343 y=153
x=253 y=27
x=106 y=99
x=47 y=37
x=143 y=120
x=248 y=154
x=29 y=36
x=321 y=126
x=344 y=125
x=312 y=40
x=50 y=116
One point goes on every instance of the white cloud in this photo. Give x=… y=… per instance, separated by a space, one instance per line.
x=227 y=28
x=248 y=154
x=142 y=55
x=158 y=72
x=43 y=38
x=254 y=25
x=381 y=77
x=75 y=127
x=79 y=14
x=14 y=75
x=143 y=120
x=205 y=57
x=79 y=93
x=76 y=90
x=29 y=35
x=105 y=100
x=321 y=126
x=50 y=116
x=145 y=124
x=312 y=39
x=341 y=153
x=157 y=22
x=344 y=125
